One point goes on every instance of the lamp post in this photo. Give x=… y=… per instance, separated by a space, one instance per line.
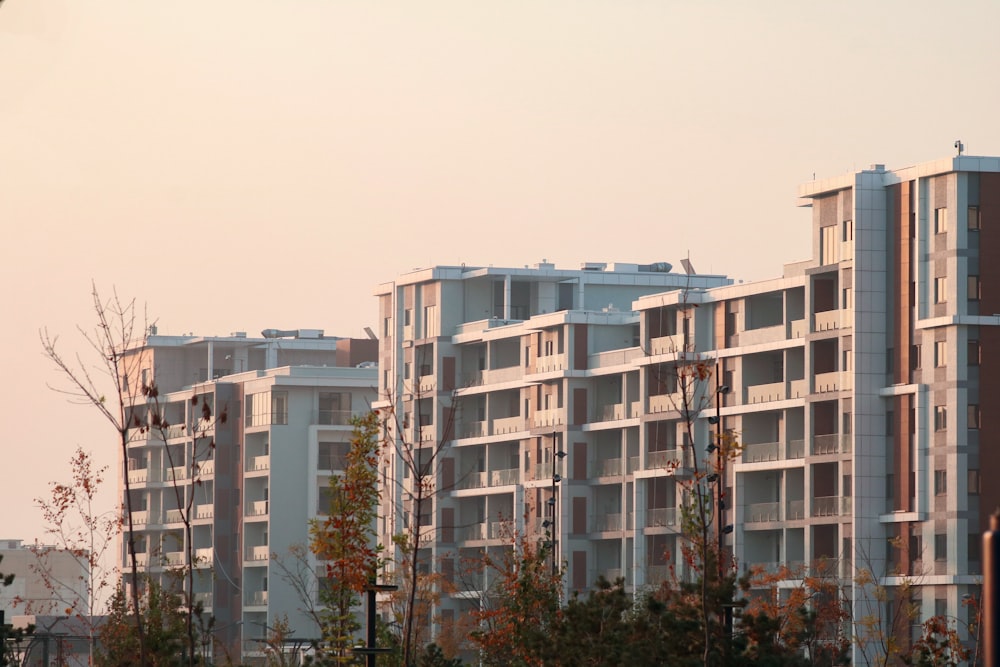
x=550 y=523
x=720 y=466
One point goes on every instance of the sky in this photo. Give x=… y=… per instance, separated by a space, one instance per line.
x=241 y=165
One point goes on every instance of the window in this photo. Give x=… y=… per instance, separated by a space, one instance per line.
x=940 y=353
x=332 y=455
x=940 y=220
x=387 y=327
x=430 y=322
x=279 y=407
x=406 y=370
x=973 y=416
x=847 y=230
x=940 y=417
x=973 y=482
x=940 y=290
x=940 y=482
x=974 y=288
x=974 y=352
x=974 y=218
x=407 y=317
x=940 y=547
x=890 y=422
x=914 y=357
x=890 y=486
x=847 y=298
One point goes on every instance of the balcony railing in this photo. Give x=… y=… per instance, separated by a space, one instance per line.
x=607 y=468
x=795 y=510
x=174 y=557
x=472 y=480
x=833 y=381
x=137 y=475
x=606 y=413
x=762 y=335
x=473 y=429
x=796 y=449
x=543 y=470
x=657 y=574
x=476 y=531
x=257 y=599
x=204 y=511
x=762 y=512
x=205 y=599
x=257 y=508
x=176 y=474
x=831 y=506
x=827 y=320
x=666 y=402
x=797 y=328
x=761 y=451
x=613 y=357
x=505 y=425
x=204 y=556
x=608 y=522
x=554 y=417
x=832 y=443
x=334 y=417
x=262 y=552
x=173 y=516
x=666 y=344
x=763 y=393
x=552 y=362
x=661 y=516
x=611 y=574
x=206 y=467
x=665 y=458
x=504 y=477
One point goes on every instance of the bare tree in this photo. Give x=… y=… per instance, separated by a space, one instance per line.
x=100 y=380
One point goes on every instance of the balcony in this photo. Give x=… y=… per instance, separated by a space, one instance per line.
x=137 y=475
x=829 y=320
x=613 y=358
x=476 y=531
x=657 y=574
x=204 y=599
x=831 y=506
x=206 y=467
x=607 y=413
x=608 y=522
x=204 y=556
x=660 y=517
x=795 y=510
x=550 y=363
x=473 y=429
x=762 y=512
x=173 y=557
x=764 y=393
x=140 y=518
x=428 y=433
x=763 y=335
x=666 y=458
x=666 y=402
x=834 y=381
x=606 y=468
x=472 y=480
x=174 y=516
x=761 y=452
x=832 y=443
x=666 y=344
x=611 y=574
x=555 y=417
x=141 y=559
x=204 y=511
x=543 y=470
x=176 y=474
x=258 y=463
x=796 y=329
x=504 y=477
x=257 y=599
x=505 y=425
x=258 y=553
x=796 y=449
x=334 y=417
x=257 y=508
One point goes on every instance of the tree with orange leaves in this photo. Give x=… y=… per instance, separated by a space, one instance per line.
x=347 y=540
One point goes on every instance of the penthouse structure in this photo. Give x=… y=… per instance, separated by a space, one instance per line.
x=288 y=398
x=858 y=384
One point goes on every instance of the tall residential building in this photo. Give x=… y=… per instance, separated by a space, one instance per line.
x=288 y=399
x=858 y=384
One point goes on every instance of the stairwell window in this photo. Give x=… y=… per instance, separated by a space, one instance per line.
x=974 y=288
x=940 y=417
x=974 y=219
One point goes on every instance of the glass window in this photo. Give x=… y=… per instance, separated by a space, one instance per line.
x=973 y=416
x=940 y=417
x=974 y=218
x=829 y=246
x=974 y=286
x=974 y=352
x=973 y=484
x=940 y=289
x=940 y=353
x=940 y=482
x=940 y=220
x=941 y=547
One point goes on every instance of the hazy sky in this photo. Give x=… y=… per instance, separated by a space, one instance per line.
x=238 y=165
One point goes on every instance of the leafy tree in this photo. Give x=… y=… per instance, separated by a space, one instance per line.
x=165 y=624
x=346 y=539
x=85 y=535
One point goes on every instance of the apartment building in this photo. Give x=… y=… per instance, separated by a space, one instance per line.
x=288 y=398
x=857 y=384
x=499 y=363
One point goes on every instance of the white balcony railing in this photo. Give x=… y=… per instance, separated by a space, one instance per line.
x=504 y=477
x=763 y=393
x=827 y=382
x=174 y=557
x=797 y=328
x=204 y=598
x=476 y=531
x=666 y=344
x=554 y=417
x=832 y=443
x=472 y=480
x=262 y=552
x=138 y=475
x=827 y=320
x=506 y=425
x=607 y=468
x=831 y=506
x=204 y=511
x=255 y=463
x=763 y=335
x=173 y=516
x=761 y=451
x=257 y=508
x=608 y=522
x=606 y=413
x=795 y=510
x=175 y=474
x=762 y=512
x=661 y=516
x=257 y=599
x=206 y=468
x=473 y=429
x=796 y=449
x=204 y=556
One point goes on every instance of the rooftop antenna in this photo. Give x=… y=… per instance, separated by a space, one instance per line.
x=959 y=146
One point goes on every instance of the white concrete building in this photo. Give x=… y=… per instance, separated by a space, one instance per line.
x=63 y=584
x=253 y=480
x=859 y=387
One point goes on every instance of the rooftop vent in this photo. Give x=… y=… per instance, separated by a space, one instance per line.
x=292 y=333
x=657 y=267
x=593 y=266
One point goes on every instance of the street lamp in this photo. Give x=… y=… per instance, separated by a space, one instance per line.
x=557 y=455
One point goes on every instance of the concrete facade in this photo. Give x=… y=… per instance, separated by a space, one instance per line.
x=253 y=480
